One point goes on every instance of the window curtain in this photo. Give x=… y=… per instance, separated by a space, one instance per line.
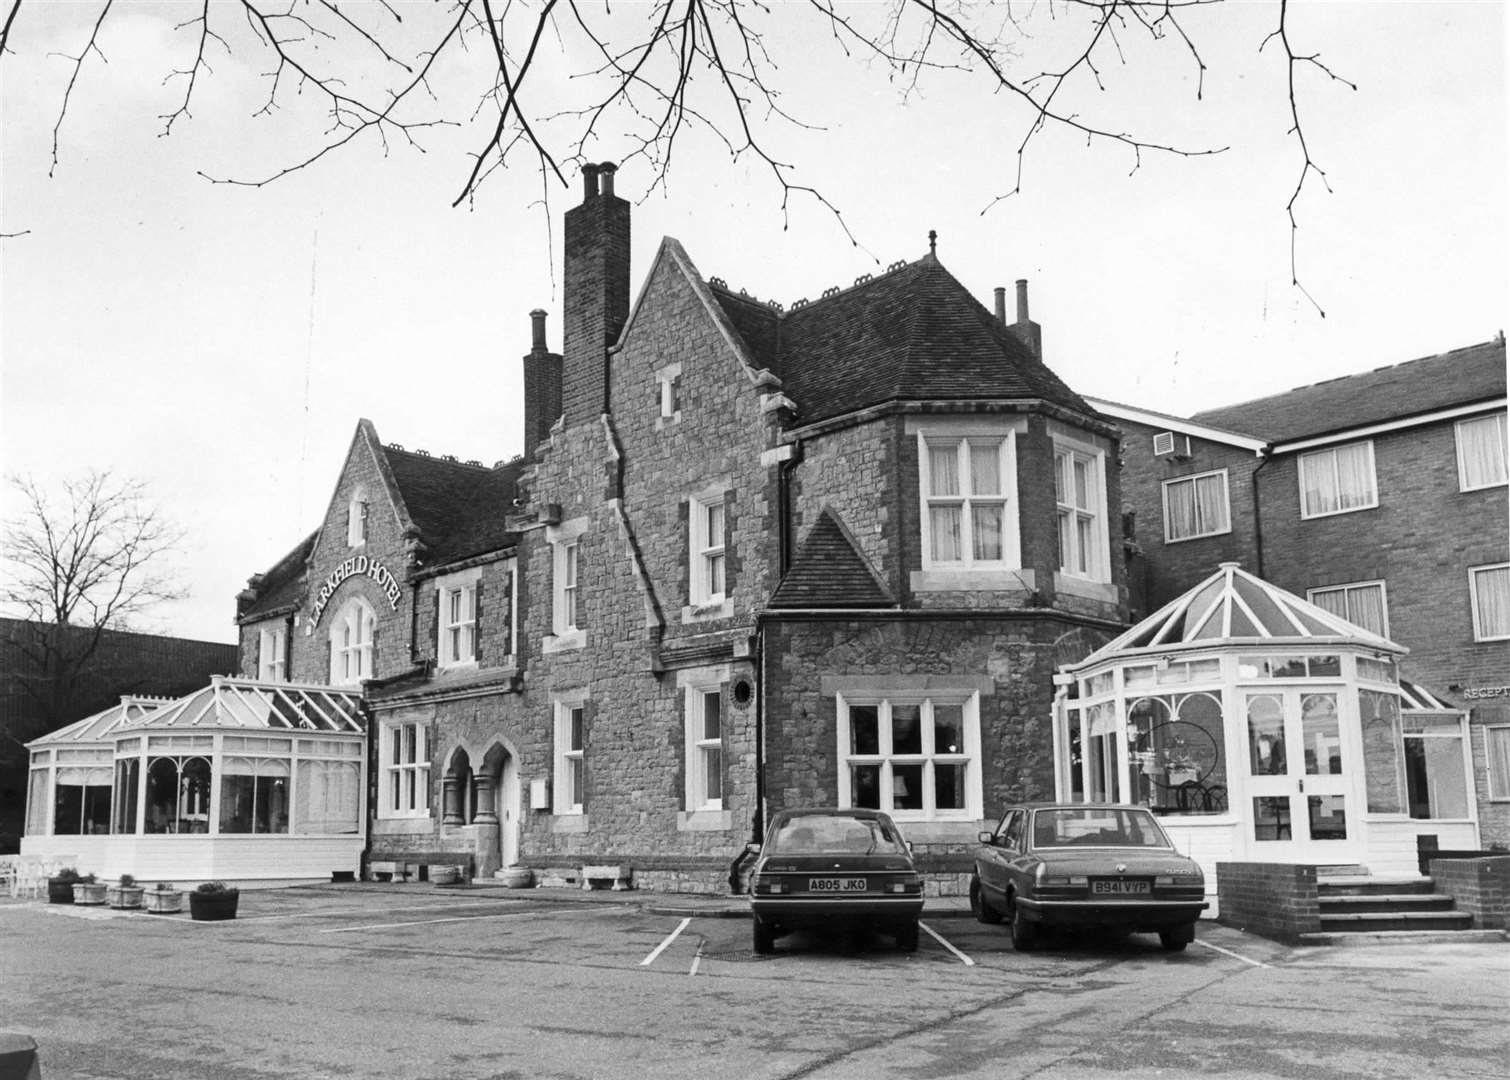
x=1482 y=446
x=1499 y=761
x=1355 y=477
x=1365 y=608
x=1493 y=590
x=1181 y=516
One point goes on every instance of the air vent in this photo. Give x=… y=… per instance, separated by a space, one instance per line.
x=1168 y=443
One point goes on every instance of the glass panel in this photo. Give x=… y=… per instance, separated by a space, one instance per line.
x=577 y=780
x=864 y=730
x=985 y=468
x=1324 y=666
x=865 y=786
x=907 y=787
x=713 y=781
x=1271 y=817
x=948 y=724
x=1435 y=784
x=36 y=802
x=1321 y=734
x=128 y=773
x=1328 y=817
x=906 y=729
x=1082 y=483
x=328 y=798
x=712 y=723
x=949 y=787
x=1383 y=766
x=943 y=469
x=944 y=528
x=576 y=728
x=1499 y=761
x=1143 y=675
x=985 y=531
x=1266 y=735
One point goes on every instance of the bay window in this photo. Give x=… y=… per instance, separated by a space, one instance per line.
x=966 y=484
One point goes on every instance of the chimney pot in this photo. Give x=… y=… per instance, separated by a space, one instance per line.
x=537 y=329
x=589 y=182
x=1001 y=304
x=606 y=171
x=1022 y=300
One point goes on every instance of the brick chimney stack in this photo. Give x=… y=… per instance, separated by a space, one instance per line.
x=542 y=386
x=595 y=293
x=1024 y=329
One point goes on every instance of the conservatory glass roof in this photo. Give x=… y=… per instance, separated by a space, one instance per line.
x=227 y=703
x=1234 y=607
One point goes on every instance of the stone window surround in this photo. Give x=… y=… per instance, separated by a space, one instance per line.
x=366 y=623
x=1192 y=479
x=1068 y=439
x=1007 y=574
x=561 y=536
x=668 y=380
x=274 y=640
x=444 y=587
x=357 y=510
x=563 y=705
x=701 y=606
x=692 y=683
x=387 y=731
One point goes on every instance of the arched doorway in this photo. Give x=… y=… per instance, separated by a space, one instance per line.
x=498 y=790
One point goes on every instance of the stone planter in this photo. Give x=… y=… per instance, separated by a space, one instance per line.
x=89 y=892
x=162 y=901
x=124 y=897
x=213 y=907
x=515 y=877
x=445 y=875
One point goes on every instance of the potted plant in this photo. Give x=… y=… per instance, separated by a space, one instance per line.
x=60 y=886
x=213 y=901
x=126 y=894
x=88 y=891
x=163 y=899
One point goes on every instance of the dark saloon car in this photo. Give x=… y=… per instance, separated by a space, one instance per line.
x=825 y=868
x=1086 y=865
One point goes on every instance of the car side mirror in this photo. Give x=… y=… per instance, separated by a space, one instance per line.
x=985 y=837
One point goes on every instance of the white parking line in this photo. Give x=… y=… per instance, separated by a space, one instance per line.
x=962 y=957
x=1229 y=952
x=662 y=946
x=449 y=906
x=696 y=960
x=423 y=922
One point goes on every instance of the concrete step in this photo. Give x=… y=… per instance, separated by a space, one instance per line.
x=1366 y=885
x=1348 y=903
x=1406 y=937
x=1395 y=921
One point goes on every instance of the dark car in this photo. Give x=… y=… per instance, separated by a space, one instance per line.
x=1086 y=865
x=826 y=867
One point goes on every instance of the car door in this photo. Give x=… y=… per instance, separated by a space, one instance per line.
x=994 y=863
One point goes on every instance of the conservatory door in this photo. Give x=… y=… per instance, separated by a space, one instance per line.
x=1301 y=777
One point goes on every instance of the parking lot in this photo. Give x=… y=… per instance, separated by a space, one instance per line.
x=418 y=981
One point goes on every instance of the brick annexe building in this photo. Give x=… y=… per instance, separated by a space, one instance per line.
x=753 y=558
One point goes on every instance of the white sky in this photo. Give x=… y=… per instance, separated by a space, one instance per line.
x=221 y=342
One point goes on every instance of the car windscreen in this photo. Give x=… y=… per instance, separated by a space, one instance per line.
x=813 y=833
x=1098 y=826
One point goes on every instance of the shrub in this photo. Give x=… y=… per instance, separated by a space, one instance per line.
x=164 y=886
x=67 y=873
x=127 y=881
x=216 y=888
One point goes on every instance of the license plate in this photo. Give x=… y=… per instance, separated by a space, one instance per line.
x=1120 y=887
x=836 y=884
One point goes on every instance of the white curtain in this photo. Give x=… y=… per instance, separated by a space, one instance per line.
x=1481 y=450
x=943 y=469
x=1355 y=476
x=1492 y=588
x=985 y=468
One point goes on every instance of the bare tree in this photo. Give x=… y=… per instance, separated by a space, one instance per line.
x=91 y=560
x=543 y=83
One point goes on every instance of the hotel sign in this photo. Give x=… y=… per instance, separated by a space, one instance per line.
x=356 y=566
x=1475 y=692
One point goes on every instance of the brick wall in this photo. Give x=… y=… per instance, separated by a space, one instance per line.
x=1478 y=886
x=595 y=296
x=1494 y=814
x=1276 y=900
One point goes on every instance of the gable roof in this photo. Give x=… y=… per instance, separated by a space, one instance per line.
x=913 y=333
x=1431 y=384
x=280 y=588
x=457 y=508
x=830 y=572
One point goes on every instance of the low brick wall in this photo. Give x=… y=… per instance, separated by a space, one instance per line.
x=1480 y=887
x=1276 y=900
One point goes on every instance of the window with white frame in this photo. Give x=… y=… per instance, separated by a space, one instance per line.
x=1360 y=603
x=571 y=757
x=356 y=518
x=352 y=631
x=1497 y=750
x=914 y=755
x=405 y=750
x=457 y=624
x=1490 y=594
x=568 y=597
x=669 y=391
x=966 y=483
x=1338 y=480
x=706 y=519
x=1482 y=452
x=1196 y=506
x=705 y=755
x=272 y=656
x=1080 y=512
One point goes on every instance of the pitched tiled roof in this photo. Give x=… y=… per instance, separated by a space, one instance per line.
x=830 y=572
x=914 y=333
x=459 y=508
x=283 y=585
x=1461 y=377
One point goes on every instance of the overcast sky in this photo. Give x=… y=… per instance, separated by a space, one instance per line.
x=221 y=342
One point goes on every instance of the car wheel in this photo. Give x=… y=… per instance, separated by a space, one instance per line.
x=907 y=936
x=1175 y=940
x=1024 y=933
x=983 y=911
x=765 y=938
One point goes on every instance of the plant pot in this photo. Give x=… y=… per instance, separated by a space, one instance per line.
x=89 y=892
x=163 y=901
x=124 y=896
x=445 y=875
x=60 y=890
x=515 y=877
x=212 y=907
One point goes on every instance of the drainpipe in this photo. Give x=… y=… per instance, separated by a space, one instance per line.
x=1258 y=520
x=757 y=819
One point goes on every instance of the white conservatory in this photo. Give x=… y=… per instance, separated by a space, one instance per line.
x=243 y=781
x=1262 y=728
